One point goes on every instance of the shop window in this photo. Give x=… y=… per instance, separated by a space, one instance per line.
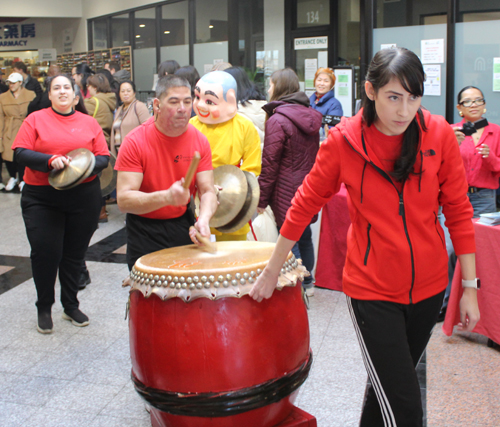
x=120 y=30
x=100 y=34
x=477 y=53
x=211 y=34
x=175 y=32
x=144 y=55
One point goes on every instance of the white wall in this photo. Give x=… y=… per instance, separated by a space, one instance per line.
x=93 y=8
x=43 y=9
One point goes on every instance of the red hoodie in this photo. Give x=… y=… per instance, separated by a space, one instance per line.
x=395 y=246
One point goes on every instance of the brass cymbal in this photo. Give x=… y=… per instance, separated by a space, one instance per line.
x=108 y=176
x=249 y=207
x=232 y=196
x=79 y=169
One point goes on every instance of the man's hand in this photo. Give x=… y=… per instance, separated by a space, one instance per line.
x=177 y=195
x=203 y=228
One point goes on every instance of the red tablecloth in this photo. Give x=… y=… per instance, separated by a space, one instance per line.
x=488 y=271
x=332 y=249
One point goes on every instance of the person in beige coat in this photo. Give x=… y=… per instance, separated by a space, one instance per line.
x=102 y=102
x=129 y=115
x=13 y=110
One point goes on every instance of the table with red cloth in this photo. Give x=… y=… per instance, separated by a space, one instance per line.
x=488 y=271
x=332 y=248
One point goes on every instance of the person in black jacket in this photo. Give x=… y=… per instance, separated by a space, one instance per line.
x=29 y=83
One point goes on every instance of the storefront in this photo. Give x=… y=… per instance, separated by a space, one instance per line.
x=456 y=39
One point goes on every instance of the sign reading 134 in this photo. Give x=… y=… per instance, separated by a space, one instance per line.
x=313 y=17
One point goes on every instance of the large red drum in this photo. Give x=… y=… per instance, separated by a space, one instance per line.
x=205 y=354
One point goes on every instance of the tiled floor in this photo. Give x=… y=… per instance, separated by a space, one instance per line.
x=81 y=376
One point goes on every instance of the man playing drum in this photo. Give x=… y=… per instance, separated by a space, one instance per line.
x=152 y=163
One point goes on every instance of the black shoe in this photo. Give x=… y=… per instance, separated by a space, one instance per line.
x=84 y=280
x=76 y=317
x=441 y=315
x=45 y=325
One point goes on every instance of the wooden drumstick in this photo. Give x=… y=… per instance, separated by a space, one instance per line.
x=208 y=246
x=192 y=169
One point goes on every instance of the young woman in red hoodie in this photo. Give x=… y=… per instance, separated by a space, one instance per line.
x=399 y=163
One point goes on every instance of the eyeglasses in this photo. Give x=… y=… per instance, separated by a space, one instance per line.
x=468 y=103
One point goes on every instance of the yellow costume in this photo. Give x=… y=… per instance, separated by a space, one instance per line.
x=235 y=142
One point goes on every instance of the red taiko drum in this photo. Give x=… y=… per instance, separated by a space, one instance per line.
x=205 y=354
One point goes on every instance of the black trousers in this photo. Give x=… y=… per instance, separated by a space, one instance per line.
x=59 y=225
x=146 y=235
x=393 y=338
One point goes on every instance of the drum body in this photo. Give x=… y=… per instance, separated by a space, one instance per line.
x=209 y=357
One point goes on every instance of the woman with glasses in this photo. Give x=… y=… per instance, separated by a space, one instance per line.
x=480 y=151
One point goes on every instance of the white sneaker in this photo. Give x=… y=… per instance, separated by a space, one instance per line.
x=21 y=186
x=11 y=184
x=2 y=186
x=310 y=292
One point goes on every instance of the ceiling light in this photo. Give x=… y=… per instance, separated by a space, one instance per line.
x=210 y=26
x=166 y=32
x=142 y=25
x=137 y=36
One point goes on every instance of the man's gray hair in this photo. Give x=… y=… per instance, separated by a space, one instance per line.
x=170 y=81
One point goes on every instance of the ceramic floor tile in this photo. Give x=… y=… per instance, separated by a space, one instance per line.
x=55 y=417
x=34 y=390
x=14 y=414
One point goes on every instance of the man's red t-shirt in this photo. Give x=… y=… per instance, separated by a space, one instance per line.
x=162 y=160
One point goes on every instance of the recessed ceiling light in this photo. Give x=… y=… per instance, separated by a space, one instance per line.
x=142 y=25
x=166 y=32
x=210 y=26
x=137 y=36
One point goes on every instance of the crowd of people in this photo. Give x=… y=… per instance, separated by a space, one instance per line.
x=398 y=162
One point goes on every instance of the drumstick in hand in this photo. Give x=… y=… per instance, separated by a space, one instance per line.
x=192 y=169
x=207 y=246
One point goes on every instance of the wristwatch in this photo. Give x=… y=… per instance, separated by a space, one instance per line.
x=474 y=283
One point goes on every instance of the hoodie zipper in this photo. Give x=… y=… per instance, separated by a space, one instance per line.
x=369 y=244
x=401 y=208
x=437 y=229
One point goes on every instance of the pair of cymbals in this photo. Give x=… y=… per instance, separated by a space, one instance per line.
x=79 y=169
x=238 y=198
x=108 y=177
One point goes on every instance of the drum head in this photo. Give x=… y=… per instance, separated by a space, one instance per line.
x=79 y=169
x=108 y=177
x=186 y=272
x=249 y=207
x=232 y=196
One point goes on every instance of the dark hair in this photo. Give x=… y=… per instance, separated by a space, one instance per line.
x=285 y=83
x=459 y=97
x=20 y=66
x=100 y=82
x=405 y=66
x=83 y=69
x=246 y=89
x=108 y=75
x=168 y=67
x=191 y=74
x=114 y=66
x=130 y=82
x=170 y=81
x=81 y=105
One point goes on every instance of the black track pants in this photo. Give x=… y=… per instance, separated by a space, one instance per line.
x=393 y=338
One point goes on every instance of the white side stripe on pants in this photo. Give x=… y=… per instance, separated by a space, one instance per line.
x=385 y=406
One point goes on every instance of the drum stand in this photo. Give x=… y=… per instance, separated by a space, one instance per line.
x=298 y=418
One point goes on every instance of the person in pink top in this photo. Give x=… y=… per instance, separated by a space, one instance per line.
x=480 y=151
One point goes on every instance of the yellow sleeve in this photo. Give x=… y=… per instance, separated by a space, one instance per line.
x=252 y=154
x=90 y=105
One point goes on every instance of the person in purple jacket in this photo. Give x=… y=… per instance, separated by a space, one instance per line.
x=290 y=146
